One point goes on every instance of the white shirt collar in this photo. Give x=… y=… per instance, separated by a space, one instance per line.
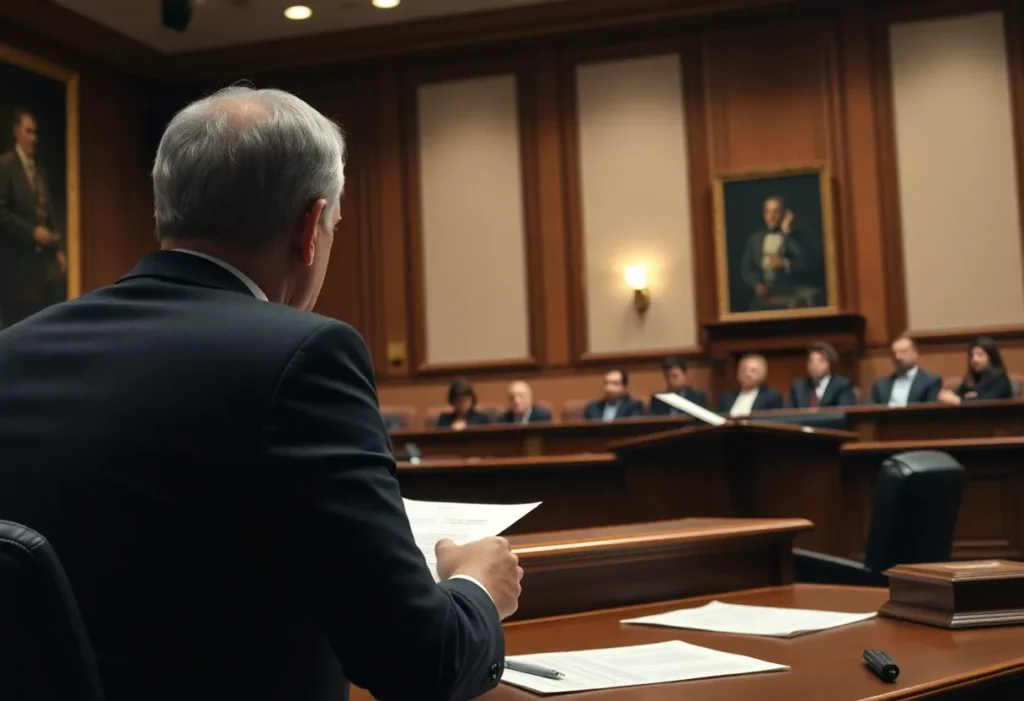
x=246 y=280
x=23 y=157
x=910 y=374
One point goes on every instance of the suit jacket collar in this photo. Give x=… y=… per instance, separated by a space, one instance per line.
x=830 y=390
x=186 y=269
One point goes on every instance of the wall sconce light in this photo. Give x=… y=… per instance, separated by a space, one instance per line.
x=636 y=278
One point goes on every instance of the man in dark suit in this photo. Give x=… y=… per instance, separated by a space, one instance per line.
x=676 y=382
x=821 y=388
x=521 y=409
x=753 y=394
x=909 y=384
x=32 y=265
x=208 y=457
x=616 y=404
x=773 y=258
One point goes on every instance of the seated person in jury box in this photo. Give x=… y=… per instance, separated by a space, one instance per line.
x=821 y=387
x=676 y=382
x=986 y=376
x=521 y=409
x=462 y=398
x=909 y=384
x=616 y=404
x=207 y=458
x=753 y=394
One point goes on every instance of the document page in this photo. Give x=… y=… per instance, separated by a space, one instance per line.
x=463 y=523
x=718 y=617
x=695 y=410
x=615 y=667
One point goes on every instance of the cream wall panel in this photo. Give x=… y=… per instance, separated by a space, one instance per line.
x=636 y=202
x=474 y=251
x=957 y=176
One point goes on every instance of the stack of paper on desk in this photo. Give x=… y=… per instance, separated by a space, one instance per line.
x=463 y=523
x=616 y=667
x=717 y=617
x=695 y=410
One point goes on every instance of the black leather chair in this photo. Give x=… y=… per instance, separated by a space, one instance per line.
x=45 y=654
x=917 y=500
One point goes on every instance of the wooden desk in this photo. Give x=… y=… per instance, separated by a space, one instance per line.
x=826 y=666
x=921 y=422
x=991 y=521
x=594 y=568
x=742 y=470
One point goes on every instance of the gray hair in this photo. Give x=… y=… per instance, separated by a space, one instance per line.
x=245 y=165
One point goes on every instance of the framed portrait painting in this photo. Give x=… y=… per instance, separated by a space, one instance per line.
x=775 y=243
x=39 y=215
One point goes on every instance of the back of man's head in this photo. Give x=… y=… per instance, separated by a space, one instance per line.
x=243 y=167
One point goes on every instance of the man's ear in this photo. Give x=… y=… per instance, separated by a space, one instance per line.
x=307 y=234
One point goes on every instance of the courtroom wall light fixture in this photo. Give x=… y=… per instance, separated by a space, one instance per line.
x=636 y=278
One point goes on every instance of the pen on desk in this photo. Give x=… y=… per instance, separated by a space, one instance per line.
x=882 y=665
x=535 y=670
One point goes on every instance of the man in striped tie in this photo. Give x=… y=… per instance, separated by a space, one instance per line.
x=32 y=263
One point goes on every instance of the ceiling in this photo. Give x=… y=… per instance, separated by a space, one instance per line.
x=217 y=23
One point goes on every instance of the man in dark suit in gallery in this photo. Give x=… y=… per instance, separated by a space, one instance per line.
x=821 y=388
x=616 y=403
x=676 y=382
x=909 y=384
x=210 y=462
x=521 y=409
x=32 y=265
x=753 y=394
x=773 y=259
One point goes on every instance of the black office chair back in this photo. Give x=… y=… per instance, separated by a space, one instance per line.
x=45 y=654
x=917 y=501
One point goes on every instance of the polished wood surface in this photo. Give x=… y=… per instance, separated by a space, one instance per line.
x=740 y=470
x=870 y=423
x=826 y=665
x=991 y=521
x=593 y=568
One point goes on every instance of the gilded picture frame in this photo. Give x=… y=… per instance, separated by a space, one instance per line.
x=33 y=87
x=775 y=244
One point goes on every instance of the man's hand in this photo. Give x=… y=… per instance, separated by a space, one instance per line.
x=44 y=236
x=489 y=561
x=787 y=221
x=458 y=424
x=62 y=262
x=778 y=262
x=948 y=396
x=760 y=289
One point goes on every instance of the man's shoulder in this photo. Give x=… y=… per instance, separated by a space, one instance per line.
x=7 y=159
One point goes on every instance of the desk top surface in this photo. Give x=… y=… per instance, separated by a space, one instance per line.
x=825 y=663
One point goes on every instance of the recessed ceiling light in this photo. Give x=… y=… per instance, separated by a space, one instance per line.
x=386 y=4
x=298 y=12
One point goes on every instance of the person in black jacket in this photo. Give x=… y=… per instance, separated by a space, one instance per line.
x=753 y=394
x=462 y=398
x=208 y=459
x=676 y=381
x=821 y=388
x=909 y=384
x=986 y=376
x=616 y=404
x=521 y=409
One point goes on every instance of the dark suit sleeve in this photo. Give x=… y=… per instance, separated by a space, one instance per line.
x=996 y=387
x=445 y=420
x=700 y=399
x=794 y=253
x=750 y=268
x=774 y=400
x=847 y=396
x=592 y=410
x=725 y=402
x=634 y=408
x=341 y=524
x=12 y=226
x=479 y=418
x=931 y=392
x=506 y=417
x=794 y=395
x=540 y=415
x=876 y=392
x=658 y=407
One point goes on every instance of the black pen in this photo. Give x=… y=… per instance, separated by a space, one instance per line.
x=534 y=669
x=882 y=665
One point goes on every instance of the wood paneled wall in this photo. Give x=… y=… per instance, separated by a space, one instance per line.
x=765 y=84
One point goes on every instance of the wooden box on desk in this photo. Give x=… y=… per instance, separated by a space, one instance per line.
x=957 y=594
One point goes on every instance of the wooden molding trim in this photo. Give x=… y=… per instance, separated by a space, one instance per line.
x=648 y=356
x=526 y=105
x=966 y=335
